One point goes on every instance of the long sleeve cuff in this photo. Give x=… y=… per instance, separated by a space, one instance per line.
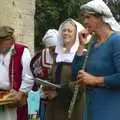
x=112 y=81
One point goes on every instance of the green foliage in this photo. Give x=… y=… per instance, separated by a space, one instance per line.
x=115 y=8
x=46 y=16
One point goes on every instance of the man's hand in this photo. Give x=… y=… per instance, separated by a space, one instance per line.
x=17 y=97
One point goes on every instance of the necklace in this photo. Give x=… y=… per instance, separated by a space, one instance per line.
x=99 y=42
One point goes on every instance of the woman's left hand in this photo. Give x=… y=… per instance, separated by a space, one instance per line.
x=50 y=94
x=88 y=79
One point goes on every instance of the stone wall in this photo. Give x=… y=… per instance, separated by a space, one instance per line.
x=20 y=15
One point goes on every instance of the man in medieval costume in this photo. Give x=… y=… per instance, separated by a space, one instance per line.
x=14 y=71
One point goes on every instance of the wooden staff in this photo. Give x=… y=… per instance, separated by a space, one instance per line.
x=73 y=101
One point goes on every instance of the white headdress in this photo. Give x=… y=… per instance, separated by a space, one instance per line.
x=99 y=6
x=50 y=38
x=67 y=57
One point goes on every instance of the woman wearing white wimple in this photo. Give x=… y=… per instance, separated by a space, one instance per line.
x=57 y=108
x=102 y=74
x=42 y=66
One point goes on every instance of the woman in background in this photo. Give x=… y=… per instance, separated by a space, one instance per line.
x=57 y=108
x=42 y=67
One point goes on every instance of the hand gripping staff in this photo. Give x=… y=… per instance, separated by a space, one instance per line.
x=72 y=103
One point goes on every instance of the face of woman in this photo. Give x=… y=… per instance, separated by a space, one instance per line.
x=68 y=33
x=92 y=22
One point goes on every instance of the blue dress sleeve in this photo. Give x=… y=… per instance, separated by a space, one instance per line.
x=114 y=79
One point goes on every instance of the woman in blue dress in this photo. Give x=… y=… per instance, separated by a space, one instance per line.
x=102 y=72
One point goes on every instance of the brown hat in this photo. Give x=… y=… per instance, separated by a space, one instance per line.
x=6 y=31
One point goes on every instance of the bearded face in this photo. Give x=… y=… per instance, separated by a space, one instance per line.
x=5 y=45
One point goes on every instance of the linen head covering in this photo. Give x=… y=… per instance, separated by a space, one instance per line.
x=50 y=38
x=61 y=55
x=99 y=6
x=6 y=31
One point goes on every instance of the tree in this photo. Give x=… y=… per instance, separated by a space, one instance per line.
x=114 y=5
x=46 y=16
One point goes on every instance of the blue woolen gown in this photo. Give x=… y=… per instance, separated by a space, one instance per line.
x=104 y=60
